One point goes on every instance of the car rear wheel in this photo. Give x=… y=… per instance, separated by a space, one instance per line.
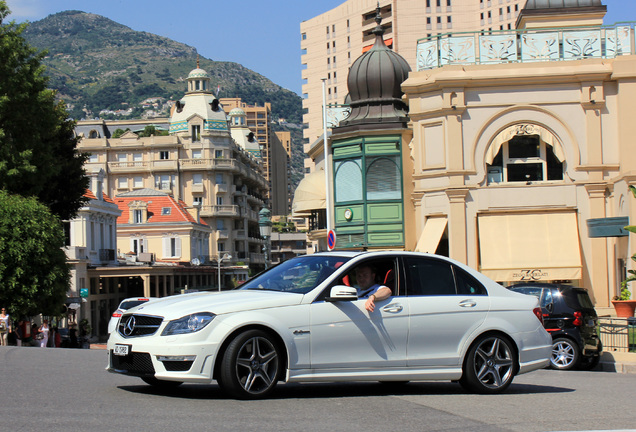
x=164 y=384
x=489 y=367
x=565 y=354
x=250 y=365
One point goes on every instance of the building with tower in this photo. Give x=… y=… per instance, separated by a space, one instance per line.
x=515 y=158
x=332 y=41
x=189 y=196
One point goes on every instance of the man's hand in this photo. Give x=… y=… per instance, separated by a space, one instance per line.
x=370 y=303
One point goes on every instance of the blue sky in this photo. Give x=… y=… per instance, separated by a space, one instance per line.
x=262 y=36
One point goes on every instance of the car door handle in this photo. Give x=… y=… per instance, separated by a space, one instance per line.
x=467 y=303
x=393 y=308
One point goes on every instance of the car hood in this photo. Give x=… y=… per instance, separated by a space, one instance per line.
x=217 y=303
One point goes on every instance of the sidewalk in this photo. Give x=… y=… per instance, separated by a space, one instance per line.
x=621 y=362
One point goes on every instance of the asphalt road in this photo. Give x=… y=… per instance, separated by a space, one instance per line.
x=69 y=390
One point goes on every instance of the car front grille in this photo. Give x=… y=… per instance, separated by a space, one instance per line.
x=138 y=325
x=135 y=363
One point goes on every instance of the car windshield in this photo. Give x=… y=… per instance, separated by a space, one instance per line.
x=297 y=275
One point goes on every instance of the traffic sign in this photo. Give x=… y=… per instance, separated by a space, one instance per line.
x=331 y=239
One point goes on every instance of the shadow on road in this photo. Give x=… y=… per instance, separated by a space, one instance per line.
x=338 y=390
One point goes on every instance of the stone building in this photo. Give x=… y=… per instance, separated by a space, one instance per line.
x=516 y=157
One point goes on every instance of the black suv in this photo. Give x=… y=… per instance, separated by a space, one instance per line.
x=569 y=316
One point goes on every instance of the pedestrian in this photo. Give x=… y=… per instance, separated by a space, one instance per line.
x=57 y=338
x=44 y=331
x=17 y=331
x=5 y=327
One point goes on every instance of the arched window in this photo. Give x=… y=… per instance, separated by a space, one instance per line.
x=383 y=178
x=93 y=134
x=348 y=180
x=525 y=158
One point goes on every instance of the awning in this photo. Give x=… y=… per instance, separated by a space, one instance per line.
x=535 y=246
x=310 y=194
x=524 y=129
x=431 y=234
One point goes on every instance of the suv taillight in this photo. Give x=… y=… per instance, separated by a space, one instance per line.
x=117 y=313
x=577 y=319
x=538 y=314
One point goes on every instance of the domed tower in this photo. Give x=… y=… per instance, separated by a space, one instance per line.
x=366 y=152
x=241 y=134
x=374 y=83
x=199 y=111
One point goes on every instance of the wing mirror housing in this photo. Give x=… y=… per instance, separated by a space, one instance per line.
x=342 y=293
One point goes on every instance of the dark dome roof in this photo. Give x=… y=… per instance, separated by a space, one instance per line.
x=374 y=82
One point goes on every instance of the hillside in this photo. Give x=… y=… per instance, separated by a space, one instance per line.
x=100 y=67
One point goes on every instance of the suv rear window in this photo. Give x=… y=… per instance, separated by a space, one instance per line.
x=577 y=298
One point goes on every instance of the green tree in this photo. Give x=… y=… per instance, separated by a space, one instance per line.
x=38 y=149
x=34 y=276
x=152 y=130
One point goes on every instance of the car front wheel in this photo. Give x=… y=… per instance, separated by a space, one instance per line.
x=565 y=354
x=250 y=365
x=489 y=367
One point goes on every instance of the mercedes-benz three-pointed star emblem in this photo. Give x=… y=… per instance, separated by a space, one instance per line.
x=129 y=326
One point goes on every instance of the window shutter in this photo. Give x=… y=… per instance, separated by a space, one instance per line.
x=166 y=247
x=177 y=247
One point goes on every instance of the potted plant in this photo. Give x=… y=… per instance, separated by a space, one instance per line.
x=623 y=304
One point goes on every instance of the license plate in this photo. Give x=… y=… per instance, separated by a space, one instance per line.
x=121 y=350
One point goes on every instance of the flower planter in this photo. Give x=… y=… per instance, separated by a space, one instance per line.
x=624 y=308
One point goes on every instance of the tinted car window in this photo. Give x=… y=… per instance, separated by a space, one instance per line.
x=577 y=299
x=429 y=277
x=528 y=291
x=131 y=304
x=466 y=284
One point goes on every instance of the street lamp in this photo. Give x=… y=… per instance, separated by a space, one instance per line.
x=218 y=261
x=265 y=227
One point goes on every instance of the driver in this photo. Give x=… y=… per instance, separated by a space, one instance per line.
x=365 y=277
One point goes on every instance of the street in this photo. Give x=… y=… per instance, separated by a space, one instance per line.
x=69 y=390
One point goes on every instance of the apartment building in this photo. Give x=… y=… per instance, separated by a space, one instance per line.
x=332 y=41
x=275 y=149
x=197 y=163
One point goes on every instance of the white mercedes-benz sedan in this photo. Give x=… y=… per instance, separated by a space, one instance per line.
x=302 y=321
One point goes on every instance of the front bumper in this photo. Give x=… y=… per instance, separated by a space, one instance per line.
x=185 y=358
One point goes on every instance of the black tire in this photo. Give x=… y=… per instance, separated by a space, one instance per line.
x=250 y=366
x=566 y=354
x=589 y=362
x=489 y=366
x=163 y=384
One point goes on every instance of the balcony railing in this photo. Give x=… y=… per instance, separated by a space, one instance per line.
x=524 y=46
x=220 y=210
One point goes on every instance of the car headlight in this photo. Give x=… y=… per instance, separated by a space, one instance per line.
x=188 y=324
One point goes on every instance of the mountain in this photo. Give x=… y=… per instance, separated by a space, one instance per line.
x=100 y=67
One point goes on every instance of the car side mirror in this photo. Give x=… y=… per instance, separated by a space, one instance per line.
x=342 y=293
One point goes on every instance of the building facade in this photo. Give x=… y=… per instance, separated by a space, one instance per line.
x=275 y=149
x=198 y=163
x=518 y=164
x=332 y=41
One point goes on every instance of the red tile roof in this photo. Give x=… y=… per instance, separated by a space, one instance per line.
x=90 y=195
x=178 y=211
